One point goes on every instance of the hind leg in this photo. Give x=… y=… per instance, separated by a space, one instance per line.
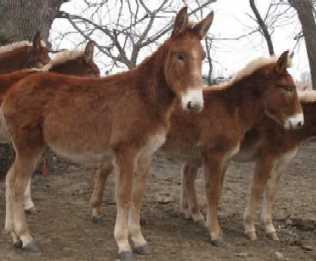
x=189 y=203
x=29 y=205
x=22 y=170
x=100 y=178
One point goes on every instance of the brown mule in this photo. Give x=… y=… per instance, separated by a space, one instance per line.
x=124 y=117
x=68 y=62
x=214 y=136
x=24 y=54
x=272 y=148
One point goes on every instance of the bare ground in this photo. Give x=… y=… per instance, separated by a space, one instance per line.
x=65 y=231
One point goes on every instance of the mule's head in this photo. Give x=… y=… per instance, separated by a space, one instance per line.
x=183 y=63
x=38 y=53
x=76 y=63
x=280 y=96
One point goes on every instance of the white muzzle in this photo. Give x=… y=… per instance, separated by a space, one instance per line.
x=192 y=100
x=294 y=122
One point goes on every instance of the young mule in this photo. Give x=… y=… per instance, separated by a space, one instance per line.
x=272 y=148
x=21 y=55
x=68 y=62
x=124 y=117
x=213 y=136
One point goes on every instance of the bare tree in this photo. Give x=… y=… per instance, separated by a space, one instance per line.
x=133 y=27
x=20 y=19
x=305 y=12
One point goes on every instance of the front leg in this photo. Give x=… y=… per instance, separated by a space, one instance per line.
x=125 y=161
x=271 y=190
x=263 y=169
x=143 y=169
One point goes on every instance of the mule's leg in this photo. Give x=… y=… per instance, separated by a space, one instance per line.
x=100 y=178
x=9 y=228
x=125 y=161
x=143 y=169
x=189 y=195
x=24 y=166
x=214 y=170
x=267 y=205
x=263 y=170
x=28 y=201
x=270 y=193
x=184 y=205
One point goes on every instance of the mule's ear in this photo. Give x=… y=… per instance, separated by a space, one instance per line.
x=181 y=21
x=202 y=27
x=283 y=62
x=37 y=40
x=89 y=50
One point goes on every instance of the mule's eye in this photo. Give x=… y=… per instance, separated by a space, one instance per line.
x=287 y=88
x=180 y=56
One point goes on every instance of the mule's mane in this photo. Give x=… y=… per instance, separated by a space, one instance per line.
x=62 y=58
x=307 y=96
x=13 y=46
x=248 y=70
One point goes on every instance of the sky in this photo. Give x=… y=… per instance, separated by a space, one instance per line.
x=231 y=20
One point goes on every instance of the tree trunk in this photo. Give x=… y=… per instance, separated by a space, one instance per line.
x=304 y=10
x=20 y=19
x=263 y=27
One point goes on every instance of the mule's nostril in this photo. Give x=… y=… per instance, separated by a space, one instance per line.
x=196 y=107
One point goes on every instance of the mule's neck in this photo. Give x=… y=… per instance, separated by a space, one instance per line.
x=14 y=60
x=153 y=87
x=244 y=98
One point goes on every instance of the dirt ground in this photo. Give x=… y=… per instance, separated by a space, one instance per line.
x=65 y=231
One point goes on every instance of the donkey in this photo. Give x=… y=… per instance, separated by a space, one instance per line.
x=214 y=136
x=122 y=118
x=24 y=54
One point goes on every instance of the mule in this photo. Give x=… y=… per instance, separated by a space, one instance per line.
x=67 y=62
x=24 y=54
x=122 y=118
x=272 y=148
x=263 y=89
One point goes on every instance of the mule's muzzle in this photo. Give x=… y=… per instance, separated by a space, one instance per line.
x=294 y=122
x=193 y=101
x=196 y=107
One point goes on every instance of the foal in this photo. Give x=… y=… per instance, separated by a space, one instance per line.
x=124 y=117
x=213 y=137
x=272 y=148
x=24 y=54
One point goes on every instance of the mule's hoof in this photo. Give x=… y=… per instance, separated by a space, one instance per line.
x=97 y=220
x=251 y=235
x=217 y=242
x=31 y=211
x=273 y=236
x=142 y=250
x=127 y=256
x=32 y=247
x=18 y=244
